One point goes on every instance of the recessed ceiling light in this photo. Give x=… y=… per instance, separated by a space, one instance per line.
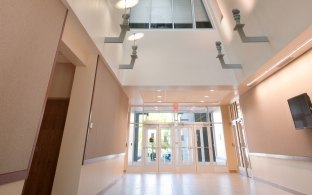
x=206 y=96
x=212 y=90
x=159 y=96
x=159 y=101
x=158 y=90
x=202 y=101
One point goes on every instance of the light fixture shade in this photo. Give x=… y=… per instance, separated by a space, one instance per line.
x=135 y=36
x=122 y=4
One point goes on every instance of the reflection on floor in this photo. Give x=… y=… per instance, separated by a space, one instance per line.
x=190 y=184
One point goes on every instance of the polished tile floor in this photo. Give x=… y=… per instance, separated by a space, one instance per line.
x=190 y=184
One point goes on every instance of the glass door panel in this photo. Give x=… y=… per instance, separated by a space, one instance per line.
x=166 y=149
x=166 y=145
x=202 y=144
x=150 y=140
x=135 y=145
x=184 y=149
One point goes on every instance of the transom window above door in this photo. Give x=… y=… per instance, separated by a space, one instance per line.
x=169 y=14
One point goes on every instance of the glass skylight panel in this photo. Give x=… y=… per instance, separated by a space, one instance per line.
x=182 y=14
x=201 y=17
x=169 y=14
x=161 y=14
x=140 y=14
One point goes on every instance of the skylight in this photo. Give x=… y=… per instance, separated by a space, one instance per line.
x=169 y=14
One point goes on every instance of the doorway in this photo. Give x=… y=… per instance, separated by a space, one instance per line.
x=158 y=148
x=175 y=147
x=43 y=165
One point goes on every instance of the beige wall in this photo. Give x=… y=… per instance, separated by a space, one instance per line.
x=76 y=45
x=229 y=140
x=62 y=80
x=109 y=116
x=262 y=18
x=14 y=188
x=292 y=174
x=71 y=154
x=97 y=177
x=269 y=126
x=30 y=32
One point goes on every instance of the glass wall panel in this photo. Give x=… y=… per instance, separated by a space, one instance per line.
x=176 y=136
x=219 y=144
x=151 y=144
x=169 y=14
x=184 y=148
x=206 y=146
x=166 y=145
x=140 y=14
x=182 y=14
x=161 y=14
x=201 y=16
x=135 y=144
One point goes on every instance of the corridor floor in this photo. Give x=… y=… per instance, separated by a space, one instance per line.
x=190 y=184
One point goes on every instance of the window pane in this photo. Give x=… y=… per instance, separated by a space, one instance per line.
x=206 y=146
x=220 y=144
x=182 y=14
x=166 y=145
x=201 y=17
x=161 y=14
x=140 y=14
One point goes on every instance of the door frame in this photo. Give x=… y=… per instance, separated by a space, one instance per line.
x=194 y=167
x=180 y=167
x=243 y=161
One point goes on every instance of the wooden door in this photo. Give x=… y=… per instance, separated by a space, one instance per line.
x=42 y=170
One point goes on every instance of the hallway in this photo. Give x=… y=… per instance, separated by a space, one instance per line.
x=189 y=184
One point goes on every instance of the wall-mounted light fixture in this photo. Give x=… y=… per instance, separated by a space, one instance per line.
x=239 y=28
x=223 y=64
x=122 y=4
x=134 y=55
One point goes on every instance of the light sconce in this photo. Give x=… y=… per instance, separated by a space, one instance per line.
x=239 y=28
x=223 y=64
x=126 y=4
x=134 y=55
x=122 y=4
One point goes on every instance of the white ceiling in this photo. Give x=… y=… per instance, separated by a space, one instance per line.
x=175 y=58
x=183 y=62
x=164 y=95
x=180 y=61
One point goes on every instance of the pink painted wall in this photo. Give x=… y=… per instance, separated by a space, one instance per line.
x=269 y=125
x=30 y=32
x=109 y=116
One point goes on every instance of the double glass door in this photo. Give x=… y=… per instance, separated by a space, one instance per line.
x=158 y=148
x=174 y=148
x=168 y=148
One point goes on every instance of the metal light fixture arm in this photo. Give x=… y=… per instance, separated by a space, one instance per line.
x=223 y=64
x=239 y=28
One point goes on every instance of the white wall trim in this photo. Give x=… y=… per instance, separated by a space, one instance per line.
x=280 y=156
x=102 y=158
x=279 y=186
